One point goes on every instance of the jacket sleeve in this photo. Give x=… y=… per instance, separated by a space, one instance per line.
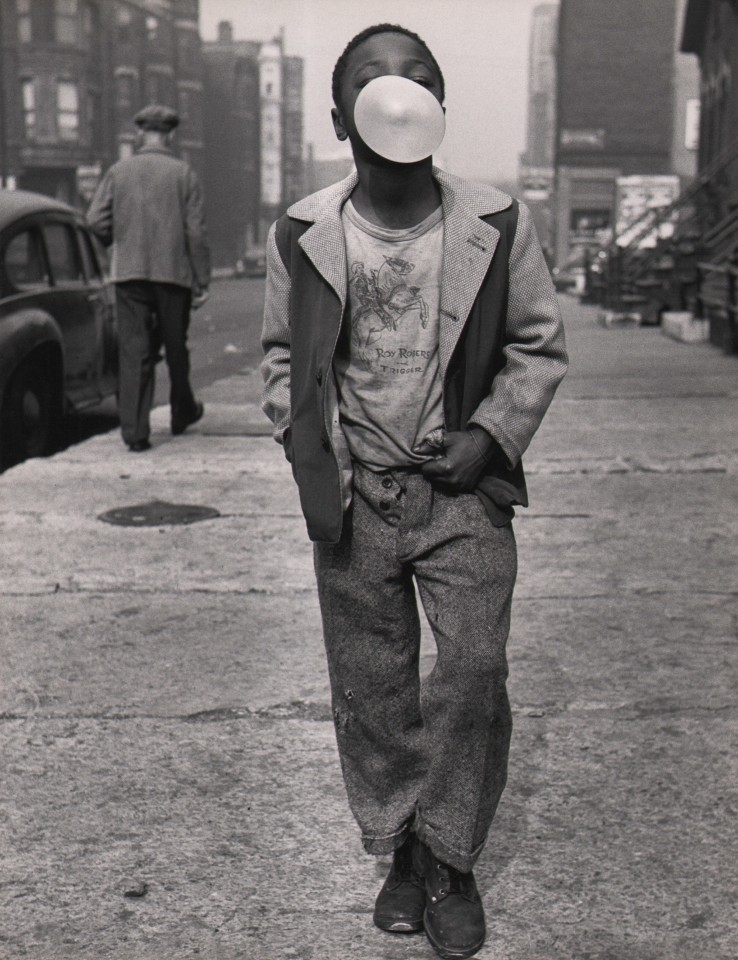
x=535 y=350
x=100 y=212
x=196 y=232
x=275 y=340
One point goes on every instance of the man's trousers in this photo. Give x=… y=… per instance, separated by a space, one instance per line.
x=148 y=315
x=430 y=757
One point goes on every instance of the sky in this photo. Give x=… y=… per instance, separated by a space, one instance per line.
x=481 y=46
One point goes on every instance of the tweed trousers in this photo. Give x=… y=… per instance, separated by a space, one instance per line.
x=432 y=756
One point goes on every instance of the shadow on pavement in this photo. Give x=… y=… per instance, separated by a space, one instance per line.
x=78 y=427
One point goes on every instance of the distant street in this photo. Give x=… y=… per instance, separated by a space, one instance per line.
x=224 y=339
x=224 y=334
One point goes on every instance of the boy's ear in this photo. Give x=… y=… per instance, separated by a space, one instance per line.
x=338 y=126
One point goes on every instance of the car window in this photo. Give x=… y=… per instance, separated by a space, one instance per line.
x=90 y=261
x=103 y=254
x=22 y=262
x=64 y=258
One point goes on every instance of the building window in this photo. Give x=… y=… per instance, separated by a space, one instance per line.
x=90 y=23
x=67 y=110
x=185 y=109
x=28 y=93
x=23 y=13
x=152 y=29
x=94 y=118
x=124 y=20
x=159 y=88
x=187 y=49
x=65 y=21
x=125 y=88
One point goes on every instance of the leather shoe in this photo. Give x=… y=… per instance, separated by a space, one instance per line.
x=454 y=915
x=138 y=446
x=179 y=426
x=401 y=901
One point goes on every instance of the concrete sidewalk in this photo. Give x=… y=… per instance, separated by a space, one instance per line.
x=170 y=783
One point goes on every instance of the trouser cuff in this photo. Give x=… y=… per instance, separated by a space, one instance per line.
x=458 y=859
x=386 y=843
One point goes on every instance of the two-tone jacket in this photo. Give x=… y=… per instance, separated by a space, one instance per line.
x=501 y=340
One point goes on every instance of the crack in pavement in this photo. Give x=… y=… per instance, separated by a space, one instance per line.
x=655 y=395
x=695 y=463
x=291 y=589
x=292 y=710
x=72 y=589
x=317 y=712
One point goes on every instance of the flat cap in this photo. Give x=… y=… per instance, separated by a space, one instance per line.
x=156 y=116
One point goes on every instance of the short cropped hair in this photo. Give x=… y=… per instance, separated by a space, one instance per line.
x=341 y=63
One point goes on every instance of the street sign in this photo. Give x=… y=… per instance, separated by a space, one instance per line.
x=637 y=195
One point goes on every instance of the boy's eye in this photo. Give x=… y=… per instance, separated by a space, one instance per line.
x=362 y=81
x=423 y=81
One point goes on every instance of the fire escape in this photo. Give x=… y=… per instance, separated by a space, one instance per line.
x=683 y=256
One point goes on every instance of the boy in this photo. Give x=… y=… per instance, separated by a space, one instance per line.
x=412 y=345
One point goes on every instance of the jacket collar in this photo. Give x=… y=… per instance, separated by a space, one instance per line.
x=156 y=149
x=480 y=199
x=468 y=246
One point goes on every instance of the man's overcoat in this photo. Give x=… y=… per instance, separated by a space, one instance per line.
x=150 y=207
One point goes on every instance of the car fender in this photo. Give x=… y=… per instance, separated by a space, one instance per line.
x=21 y=333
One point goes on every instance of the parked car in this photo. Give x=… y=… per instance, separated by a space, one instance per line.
x=570 y=276
x=58 y=345
x=253 y=264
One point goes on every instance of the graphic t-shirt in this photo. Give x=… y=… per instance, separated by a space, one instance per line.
x=389 y=386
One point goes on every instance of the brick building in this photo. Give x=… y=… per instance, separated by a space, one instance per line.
x=232 y=178
x=155 y=55
x=622 y=92
x=52 y=93
x=73 y=74
x=254 y=113
x=711 y=32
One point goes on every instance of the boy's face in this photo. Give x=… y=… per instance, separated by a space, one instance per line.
x=384 y=54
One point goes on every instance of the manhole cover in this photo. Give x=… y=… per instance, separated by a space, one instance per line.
x=156 y=513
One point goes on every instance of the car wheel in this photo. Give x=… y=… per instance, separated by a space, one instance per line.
x=28 y=414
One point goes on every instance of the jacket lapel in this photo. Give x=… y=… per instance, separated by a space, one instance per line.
x=324 y=242
x=468 y=247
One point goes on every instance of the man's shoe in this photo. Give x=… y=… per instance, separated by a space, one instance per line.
x=139 y=446
x=454 y=916
x=179 y=426
x=401 y=901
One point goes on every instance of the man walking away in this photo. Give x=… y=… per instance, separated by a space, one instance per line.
x=149 y=208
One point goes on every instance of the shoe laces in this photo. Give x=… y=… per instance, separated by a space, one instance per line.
x=452 y=880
